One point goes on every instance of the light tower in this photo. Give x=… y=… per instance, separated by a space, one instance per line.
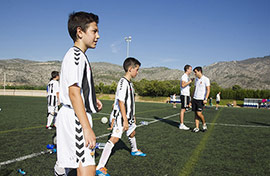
x=128 y=40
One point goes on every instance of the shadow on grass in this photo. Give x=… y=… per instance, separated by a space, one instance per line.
x=170 y=122
x=259 y=123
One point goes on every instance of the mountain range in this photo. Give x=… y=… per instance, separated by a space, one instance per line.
x=252 y=73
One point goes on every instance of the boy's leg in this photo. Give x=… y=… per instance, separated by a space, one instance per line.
x=49 y=120
x=106 y=152
x=86 y=171
x=197 y=120
x=132 y=141
x=200 y=115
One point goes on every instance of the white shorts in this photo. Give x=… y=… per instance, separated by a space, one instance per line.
x=71 y=148
x=52 y=109
x=118 y=128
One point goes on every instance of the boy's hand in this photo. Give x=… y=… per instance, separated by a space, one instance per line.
x=109 y=128
x=99 y=105
x=125 y=125
x=90 y=138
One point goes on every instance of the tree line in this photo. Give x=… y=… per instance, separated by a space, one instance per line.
x=156 y=88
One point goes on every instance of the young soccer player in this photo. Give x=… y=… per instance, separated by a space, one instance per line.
x=217 y=100
x=124 y=112
x=201 y=94
x=75 y=137
x=52 y=98
x=174 y=100
x=185 y=95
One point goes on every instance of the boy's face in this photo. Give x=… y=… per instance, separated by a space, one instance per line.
x=197 y=73
x=90 y=36
x=189 y=70
x=134 y=71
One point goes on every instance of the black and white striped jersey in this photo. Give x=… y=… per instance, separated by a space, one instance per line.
x=76 y=69
x=125 y=93
x=52 y=89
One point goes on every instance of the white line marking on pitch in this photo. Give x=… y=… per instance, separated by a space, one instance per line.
x=44 y=152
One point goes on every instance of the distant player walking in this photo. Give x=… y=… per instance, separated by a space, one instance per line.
x=201 y=94
x=217 y=100
x=52 y=98
x=185 y=95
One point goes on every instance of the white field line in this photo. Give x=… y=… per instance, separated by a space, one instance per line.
x=44 y=152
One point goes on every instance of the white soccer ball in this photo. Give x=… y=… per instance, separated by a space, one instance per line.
x=104 y=120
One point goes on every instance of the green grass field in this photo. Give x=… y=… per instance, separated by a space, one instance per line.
x=236 y=143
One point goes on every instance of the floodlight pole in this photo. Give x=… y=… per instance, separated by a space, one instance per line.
x=4 y=83
x=128 y=40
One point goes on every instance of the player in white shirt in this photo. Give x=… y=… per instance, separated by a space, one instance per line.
x=185 y=95
x=217 y=100
x=75 y=136
x=201 y=94
x=124 y=112
x=52 y=98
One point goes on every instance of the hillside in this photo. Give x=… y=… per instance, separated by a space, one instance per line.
x=251 y=73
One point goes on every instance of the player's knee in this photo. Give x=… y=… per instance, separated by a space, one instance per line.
x=114 y=140
x=132 y=134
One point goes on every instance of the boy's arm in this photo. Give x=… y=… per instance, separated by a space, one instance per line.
x=207 y=94
x=99 y=105
x=184 y=83
x=57 y=95
x=77 y=104
x=124 y=114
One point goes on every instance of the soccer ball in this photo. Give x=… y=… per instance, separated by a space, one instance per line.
x=104 y=120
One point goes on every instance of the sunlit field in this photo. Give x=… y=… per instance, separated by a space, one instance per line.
x=236 y=143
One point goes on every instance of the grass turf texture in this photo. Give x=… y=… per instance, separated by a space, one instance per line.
x=235 y=144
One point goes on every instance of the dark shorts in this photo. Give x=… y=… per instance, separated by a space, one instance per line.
x=217 y=102
x=184 y=101
x=197 y=105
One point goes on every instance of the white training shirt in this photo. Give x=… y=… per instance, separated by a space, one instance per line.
x=218 y=97
x=200 y=87
x=76 y=69
x=125 y=93
x=185 y=90
x=52 y=89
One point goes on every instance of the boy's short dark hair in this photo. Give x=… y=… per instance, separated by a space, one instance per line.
x=198 y=69
x=186 y=67
x=82 y=20
x=54 y=74
x=130 y=61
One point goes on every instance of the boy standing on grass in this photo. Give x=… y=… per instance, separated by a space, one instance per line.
x=217 y=100
x=201 y=94
x=185 y=95
x=124 y=113
x=52 y=98
x=75 y=137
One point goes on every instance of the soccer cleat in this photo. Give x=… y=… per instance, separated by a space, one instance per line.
x=183 y=127
x=102 y=172
x=49 y=128
x=138 y=153
x=196 y=130
x=204 y=127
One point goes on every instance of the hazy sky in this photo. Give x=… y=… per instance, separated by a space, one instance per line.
x=168 y=33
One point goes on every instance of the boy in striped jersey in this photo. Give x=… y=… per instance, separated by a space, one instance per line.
x=75 y=136
x=124 y=113
x=53 y=98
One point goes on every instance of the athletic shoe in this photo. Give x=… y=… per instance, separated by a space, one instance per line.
x=49 y=128
x=196 y=130
x=204 y=127
x=102 y=172
x=183 y=127
x=138 y=153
